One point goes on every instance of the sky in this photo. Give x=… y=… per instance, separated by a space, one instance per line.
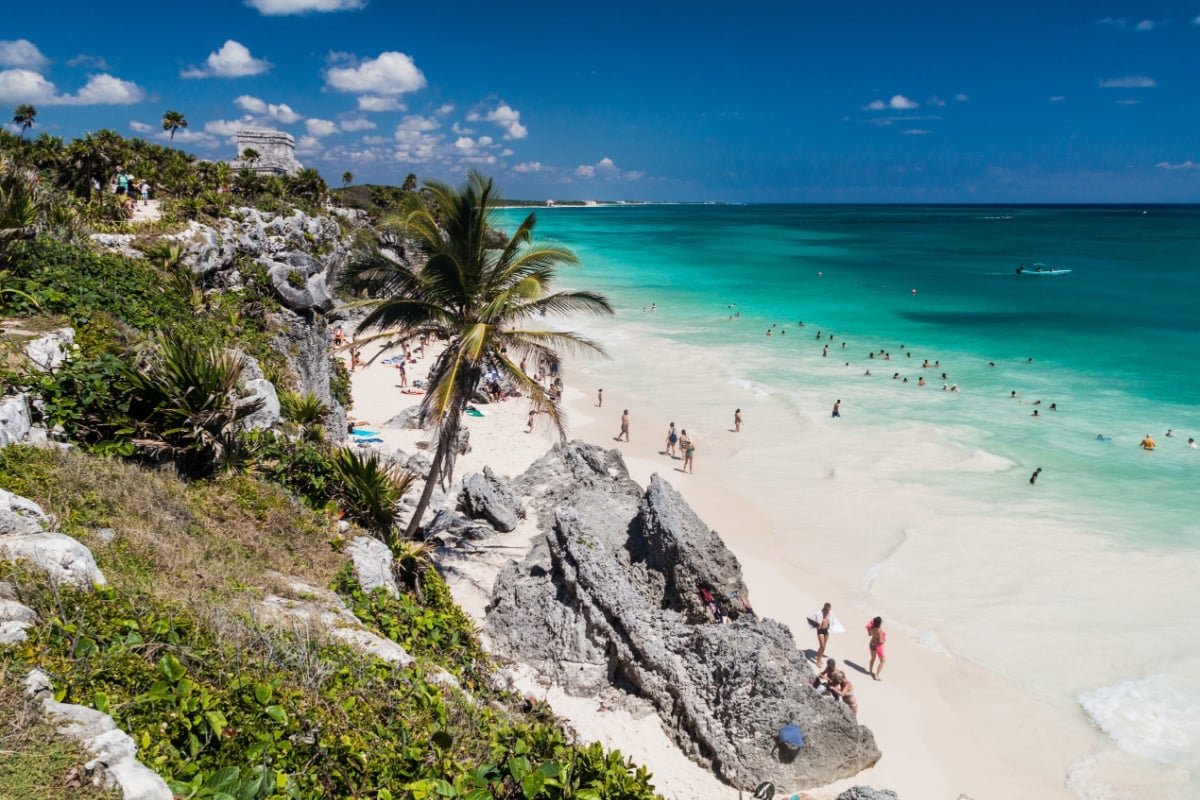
x=652 y=100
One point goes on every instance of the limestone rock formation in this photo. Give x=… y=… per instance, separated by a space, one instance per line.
x=15 y=421
x=867 y=793
x=15 y=617
x=20 y=515
x=258 y=388
x=114 y=753
x=326 y=612
x=372 y=564
x=48 y=352
x=488 y=497
x=610 y=595
x=26 y=535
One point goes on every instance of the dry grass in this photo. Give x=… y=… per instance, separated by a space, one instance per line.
x=35 y=762
x=216 y=543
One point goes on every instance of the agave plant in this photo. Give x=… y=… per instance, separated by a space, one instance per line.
x=187 y=405
x=410 y=561
x=370 y=491
x=306 y=410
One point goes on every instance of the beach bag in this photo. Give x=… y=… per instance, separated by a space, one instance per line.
x=764 y=791
x=791 y=737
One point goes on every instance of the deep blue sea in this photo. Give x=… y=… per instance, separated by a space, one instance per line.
x=1114 y=344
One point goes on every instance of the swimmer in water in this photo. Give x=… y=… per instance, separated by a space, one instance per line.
x=1033 y=478
x=1148 y=443
x=1191 y=443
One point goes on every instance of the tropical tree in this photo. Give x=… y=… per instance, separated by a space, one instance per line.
x=369 y=491
x=173 y=121
x=347 y=179
x=308 y=184
x=410 y=183
x=477 y=299
x=250 y=155
x=24 y=115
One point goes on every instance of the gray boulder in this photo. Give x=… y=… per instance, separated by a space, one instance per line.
x=372 y=564
x=410 y=419
x=20 y=515
x=58 y=555
x=258 y=388
x=50 y=351
x=312 y=293
x=447 y=524
x=867 y=793
x=609 y=596
x=205 y=250
x=15 y=619
x=15 y=420
x=487 y=496
x=306 y=344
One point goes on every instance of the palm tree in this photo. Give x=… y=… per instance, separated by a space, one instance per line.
x=24 y=115
x=475 y=298
x=173 y=121
x=250 y=155
x=410 y=183
x=347 y=179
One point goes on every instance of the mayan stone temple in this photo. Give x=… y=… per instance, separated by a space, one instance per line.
x=276 y=152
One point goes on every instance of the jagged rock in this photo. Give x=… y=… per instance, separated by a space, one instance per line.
x=446 y=521
x=15 y=619
x=312 y=295
x=21 y=515
x=867 y=793
x=15 y=420
x=48 y=352
x=114 y=753
x=305 y=343
x=205 y=250
x=489 y=497
x=609 y=595
x=121 y=243
x=419 y=464
x=329 y=613
x=408 y=419
x=58 y=555
x=258 y=388
x=372 y=564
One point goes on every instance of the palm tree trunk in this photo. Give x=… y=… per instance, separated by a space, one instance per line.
x=435 y=471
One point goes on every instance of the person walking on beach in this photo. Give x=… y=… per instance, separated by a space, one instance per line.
x=689 y=451
x=529 y=421
x=837 y=409
x=599 y=398
x=875 y=644
x=737 y=420
x=823 y=623
x=624 y=426
x=672 y=438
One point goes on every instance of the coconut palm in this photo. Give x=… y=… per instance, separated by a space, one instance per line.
x=24 y=115
x=477 y=299
x=410 y=183
x=173 y=121
x=347 y=179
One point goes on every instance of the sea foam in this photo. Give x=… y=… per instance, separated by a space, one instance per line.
x=1150 y=717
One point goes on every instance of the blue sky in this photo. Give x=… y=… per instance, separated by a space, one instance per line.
x=770 y=102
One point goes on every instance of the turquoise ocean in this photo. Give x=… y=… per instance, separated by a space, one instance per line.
x=1114 y=344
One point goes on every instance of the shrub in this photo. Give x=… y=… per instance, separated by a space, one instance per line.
x=370 y=491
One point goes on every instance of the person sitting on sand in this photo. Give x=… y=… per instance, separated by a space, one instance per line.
x=841 y=686
x=875 y=645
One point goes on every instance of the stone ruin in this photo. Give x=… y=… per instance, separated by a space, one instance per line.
x=276 y=153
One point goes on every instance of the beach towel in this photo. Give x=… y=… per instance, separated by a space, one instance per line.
x=814 y=619
x=791 y=737
x=472 y=411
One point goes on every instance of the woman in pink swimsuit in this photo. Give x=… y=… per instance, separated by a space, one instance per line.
x=878 y=639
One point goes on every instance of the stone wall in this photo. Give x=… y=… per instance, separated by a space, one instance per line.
x=276 y=152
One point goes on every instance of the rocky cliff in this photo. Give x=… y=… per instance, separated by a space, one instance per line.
x=611 y=594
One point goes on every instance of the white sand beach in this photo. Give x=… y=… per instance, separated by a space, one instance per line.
x=946 y=726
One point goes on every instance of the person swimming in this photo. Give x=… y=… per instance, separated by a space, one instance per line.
x=1148 y=443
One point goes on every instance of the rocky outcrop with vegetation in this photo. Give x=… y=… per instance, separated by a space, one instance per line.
x=615 y=593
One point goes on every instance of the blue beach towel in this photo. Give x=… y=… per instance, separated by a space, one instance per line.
x=791 y=737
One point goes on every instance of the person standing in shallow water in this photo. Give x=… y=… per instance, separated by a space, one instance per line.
x=875 y=644
x=624 y=426
x=837 y=409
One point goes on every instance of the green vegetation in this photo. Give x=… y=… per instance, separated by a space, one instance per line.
x=476 y=298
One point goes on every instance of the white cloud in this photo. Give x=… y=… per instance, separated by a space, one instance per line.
x=462 y=130
x=282 y=7
x=355 y=124
x=392 y=73
x=465 y=143
x=1128 y=102
x=937 y=101
x=190 y=137
x=529 y=166
x=1122 y=24
x=445 y=109
x=915 y=132
x=506 y=152
x=1182 y=165
x=320 y=128
x=233 y=60
x=1196 y=21
x=414 y=139
x=504 y=117
x=228 y=127
x=898 y=103
x=605 y=168
x=417 y=123
x=960 y=97
x=1148 y=25
x=309 y=146
x=1129 y=82
x=282 y=113
x=374 y=140
x=89 y=62
x=373 y=103
x=25 y=86
x=23 y=54
x=1058 y=98
x=141 y=127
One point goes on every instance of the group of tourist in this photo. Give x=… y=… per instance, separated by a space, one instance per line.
x=832 y=679
x=131 y=189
